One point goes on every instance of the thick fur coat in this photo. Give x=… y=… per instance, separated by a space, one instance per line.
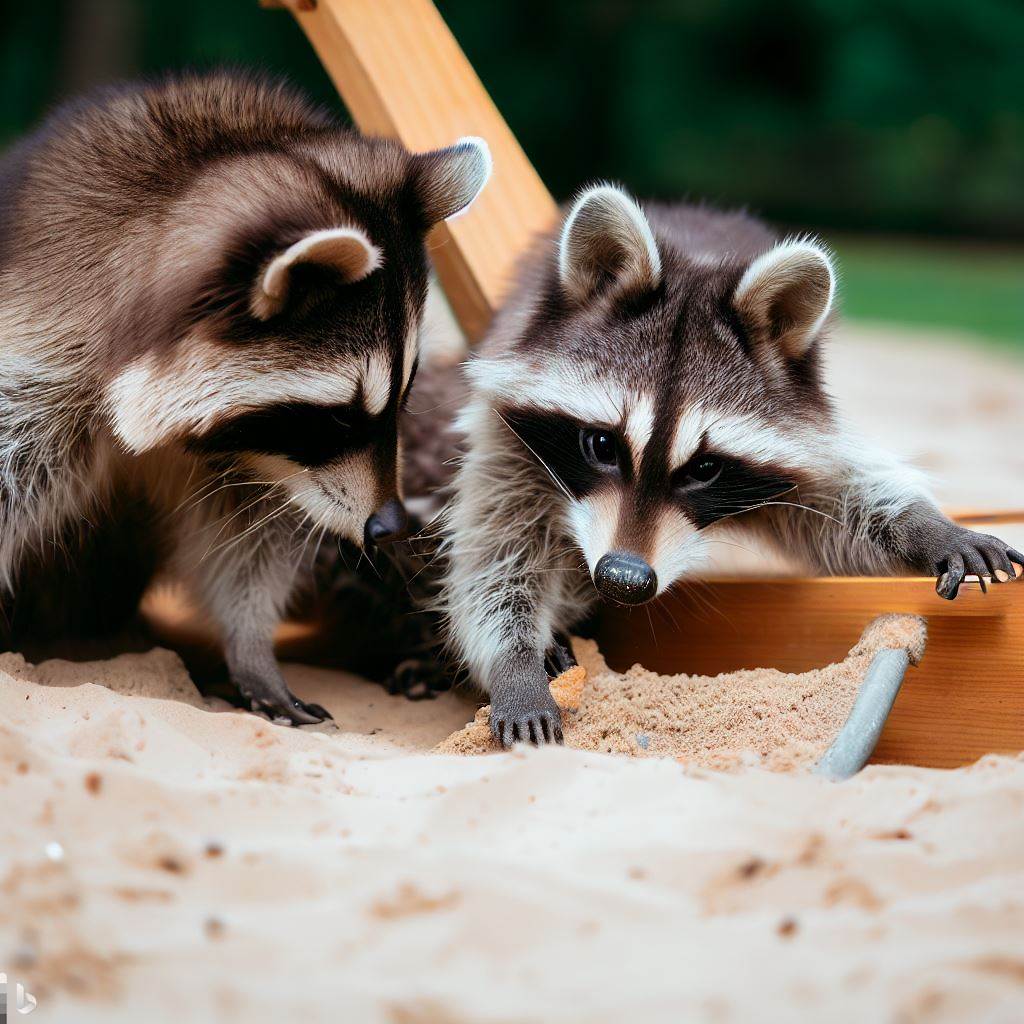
x=210 y=299
x=655 y=378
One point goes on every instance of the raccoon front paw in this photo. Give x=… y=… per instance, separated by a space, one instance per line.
x=974 y=554
x=525 y=718
x=418 y=679
x=274 y=699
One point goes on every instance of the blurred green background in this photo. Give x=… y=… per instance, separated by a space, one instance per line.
x=894 y=128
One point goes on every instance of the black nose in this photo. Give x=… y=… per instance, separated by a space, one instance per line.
x=386 y=524
x=625 y=578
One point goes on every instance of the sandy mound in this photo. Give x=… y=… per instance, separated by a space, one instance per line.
x=775 y=719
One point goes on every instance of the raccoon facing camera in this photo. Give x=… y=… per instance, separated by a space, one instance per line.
x=210 y=323
x=655 y=379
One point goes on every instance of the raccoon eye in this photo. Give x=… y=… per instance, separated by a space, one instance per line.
x=701 y=470
x=599 y=447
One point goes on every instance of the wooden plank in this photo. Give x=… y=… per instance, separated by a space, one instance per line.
x=966 y=699
x=982 y=520
x=402 y=74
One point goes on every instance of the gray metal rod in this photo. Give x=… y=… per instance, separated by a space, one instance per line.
x=856 y=740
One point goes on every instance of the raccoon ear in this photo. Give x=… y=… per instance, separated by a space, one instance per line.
x=786 y=295
x=606 y=240
x=447 y=180
x=346 y=250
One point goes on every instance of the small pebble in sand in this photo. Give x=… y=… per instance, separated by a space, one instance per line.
x=787 y=927
x=54 y=851
x=213 y=850
x=751 y=868
x=94 y=783
x=171 y=864
x=214 y=928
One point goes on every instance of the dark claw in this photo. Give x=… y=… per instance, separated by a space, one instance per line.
x=318 y=709
x=539 y=729
x=299 y=713
x=285 y=705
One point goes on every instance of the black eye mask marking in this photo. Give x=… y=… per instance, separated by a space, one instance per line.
x=311 y=435
x=737 y=487
x=556 y=440
x=708 y=488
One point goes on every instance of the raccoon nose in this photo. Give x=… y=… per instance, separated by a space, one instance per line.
x=386 y=524
x=624 y=577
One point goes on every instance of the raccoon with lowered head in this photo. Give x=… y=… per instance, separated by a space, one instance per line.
x=210 y=297
x=656 y=376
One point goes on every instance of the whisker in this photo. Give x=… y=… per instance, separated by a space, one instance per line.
x=554 y=476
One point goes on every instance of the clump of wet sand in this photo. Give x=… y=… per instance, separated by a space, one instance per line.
x=781 y=721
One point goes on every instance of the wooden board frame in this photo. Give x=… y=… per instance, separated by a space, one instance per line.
x=966 y=698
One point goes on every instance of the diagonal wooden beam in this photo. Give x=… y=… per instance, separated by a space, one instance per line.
x=401 y=73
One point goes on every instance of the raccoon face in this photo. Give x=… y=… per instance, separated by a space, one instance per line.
x=661 y=391
x=296 y=354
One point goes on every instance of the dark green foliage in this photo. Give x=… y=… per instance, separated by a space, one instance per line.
x=902 y=115
x=891 y=114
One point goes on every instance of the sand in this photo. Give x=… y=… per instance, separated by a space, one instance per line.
x=164 y=858
x=777 y=720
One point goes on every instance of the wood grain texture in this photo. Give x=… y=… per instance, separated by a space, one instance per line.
x=966 y=699
x=402 y=74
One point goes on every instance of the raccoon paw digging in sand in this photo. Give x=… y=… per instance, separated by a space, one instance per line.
x=532 y=712
x=973 y=554
x=525 y=715
x=539 y=722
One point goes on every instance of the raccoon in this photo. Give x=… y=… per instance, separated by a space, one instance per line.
x=656 y=377
x=210 y=299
